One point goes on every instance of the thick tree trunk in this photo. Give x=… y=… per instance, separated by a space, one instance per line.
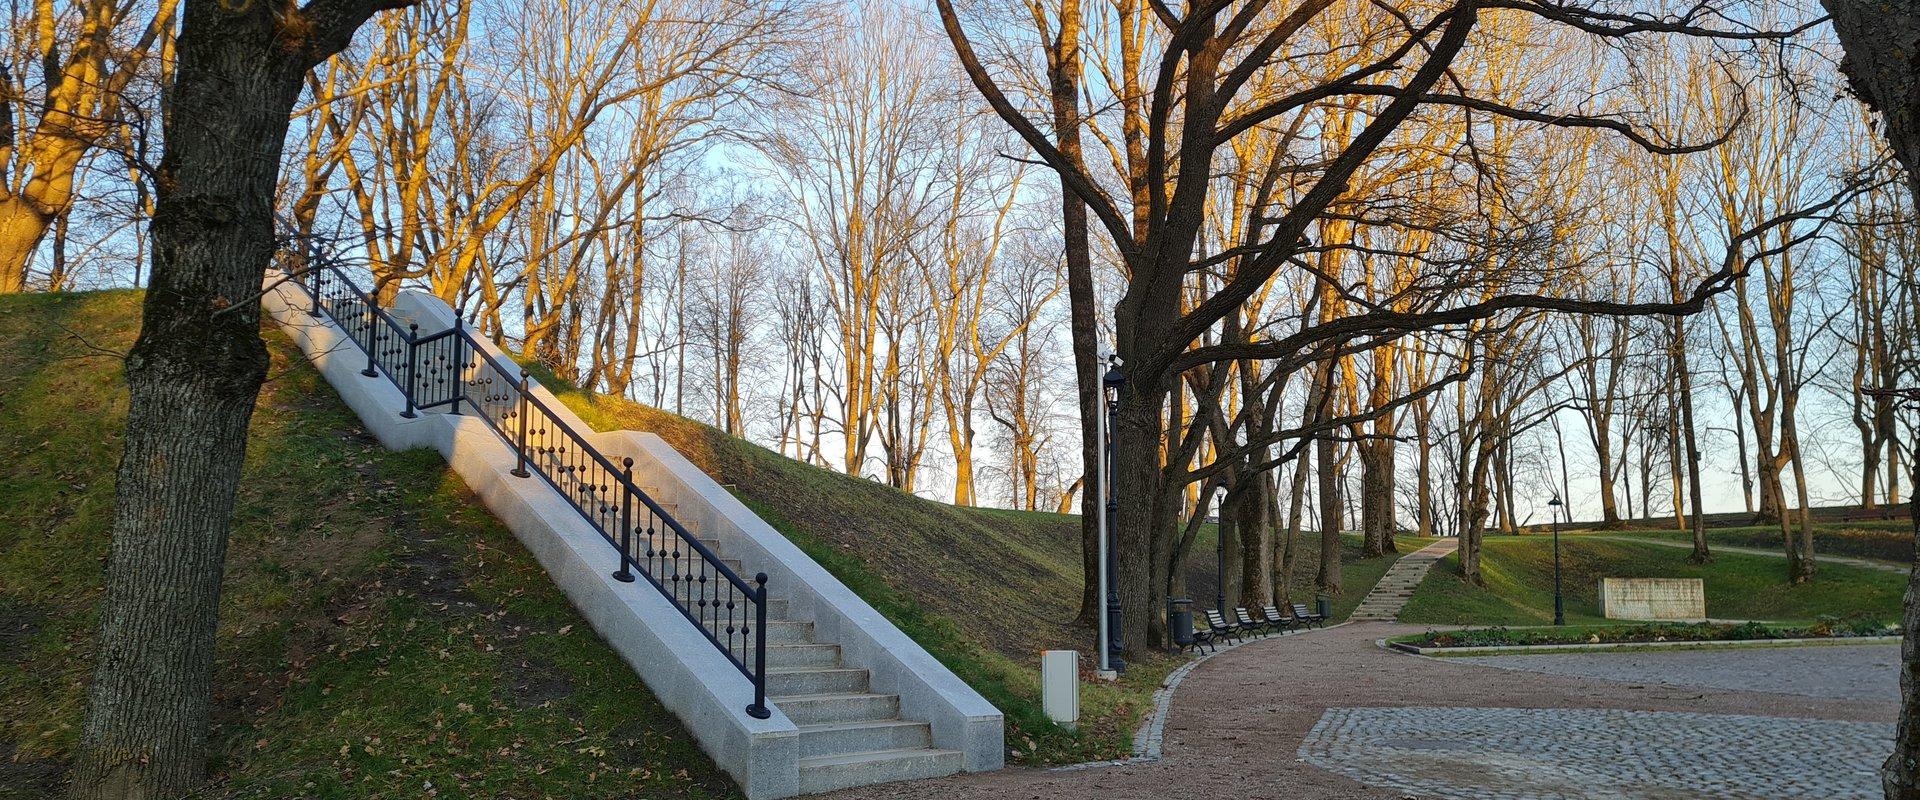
x=1063 y=73
x=1227 y=556
x=1327 y=484
x=193 y=376
x=1142 y=557
x=1900 y=775
x=1884 y=67
x=22 y=226
x=146 y=726
x=1283 y=586
x=1376 y=496
x=1256 y=541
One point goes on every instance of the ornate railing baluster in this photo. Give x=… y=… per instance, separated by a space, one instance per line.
x=459 y=370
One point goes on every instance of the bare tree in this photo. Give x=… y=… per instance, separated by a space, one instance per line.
x=76 y=76
x=1196 y=101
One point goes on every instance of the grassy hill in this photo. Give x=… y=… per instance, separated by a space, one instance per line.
x=1890 y=540
x=379 y=636
x=984 y=590
x=1519 y=584
x=382 y=635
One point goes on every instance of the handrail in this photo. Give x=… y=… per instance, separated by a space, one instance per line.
x=455 y=364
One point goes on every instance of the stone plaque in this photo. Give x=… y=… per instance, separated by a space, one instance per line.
x=1653 y=598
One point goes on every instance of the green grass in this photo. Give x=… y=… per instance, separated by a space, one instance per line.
x=1518 y=588
x=1886 y=541
x=1357 y=574
x=984 y=590
x=381 y=635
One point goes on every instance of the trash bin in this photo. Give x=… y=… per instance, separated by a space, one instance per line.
x=1323 y=605
x=1180 y=621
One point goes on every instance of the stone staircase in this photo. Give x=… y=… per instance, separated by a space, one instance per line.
x=1384 y=602
x=850 y=735
x=850 y=699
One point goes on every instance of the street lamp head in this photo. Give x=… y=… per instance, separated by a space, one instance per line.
x=1555 y=502
x=1114 y=379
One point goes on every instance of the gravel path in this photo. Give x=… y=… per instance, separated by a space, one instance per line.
x=1239 y=722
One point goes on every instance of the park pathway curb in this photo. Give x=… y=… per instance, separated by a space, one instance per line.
x=1395 y=588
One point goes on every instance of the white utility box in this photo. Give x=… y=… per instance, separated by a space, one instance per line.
x=1060 y=686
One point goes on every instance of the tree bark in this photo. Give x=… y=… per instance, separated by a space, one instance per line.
x=1063 y=77
x=1883 y=66
x=1256 y=541
x=193 y=376
x=1900 y=775
x=1139 y=486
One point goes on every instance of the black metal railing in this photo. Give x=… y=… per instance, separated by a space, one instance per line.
x=450 y=369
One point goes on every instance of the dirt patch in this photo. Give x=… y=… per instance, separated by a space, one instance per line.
x=19 y=621
x=435 y=578
x=535 y=681
x=638 y=744
x=29 y=777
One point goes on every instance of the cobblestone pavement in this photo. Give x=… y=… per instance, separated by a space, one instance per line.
x=1565 y=754
x=1238 y=722
x=1852 y=672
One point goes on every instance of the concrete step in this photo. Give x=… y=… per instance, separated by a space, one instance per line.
x=864 y=737
x=816 y=680
x=821 y=709
x=790 y=656
x=789 y=632
x=826 y=773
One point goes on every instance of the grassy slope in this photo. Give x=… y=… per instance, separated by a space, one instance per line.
x=984 y=590
x=380 y=636
x=1357 y=575
x=1887 y=541
x=1519 y=590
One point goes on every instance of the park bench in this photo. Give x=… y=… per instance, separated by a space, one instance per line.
x=1277 y=617
x=1308 y=618
x=1248 y=622
x=1224 y=628
x=1203 y=638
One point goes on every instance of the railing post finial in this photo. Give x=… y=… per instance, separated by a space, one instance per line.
x=520 y=414
x=625 y=575
x=759 y=708
x=413 y=366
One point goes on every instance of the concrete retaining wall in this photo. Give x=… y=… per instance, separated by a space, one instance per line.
x=1653 y=598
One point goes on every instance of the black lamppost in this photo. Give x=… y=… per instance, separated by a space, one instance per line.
x=1113 y=382
x=1220 y=548
x=1559 y=602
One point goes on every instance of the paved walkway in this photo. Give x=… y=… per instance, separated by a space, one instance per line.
x=1863 y=563
x=1239 y=723
x=1396 y=587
